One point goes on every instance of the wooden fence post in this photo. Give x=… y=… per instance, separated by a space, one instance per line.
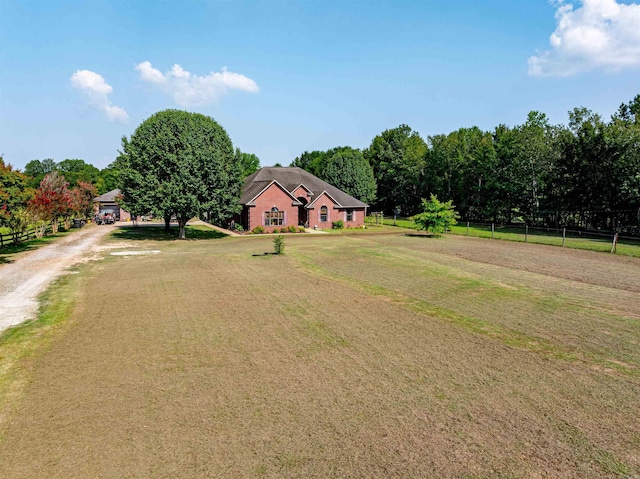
x=526 y=232
x=615 y=243
x=467 y=228
x=564 y=233
x=492 y=229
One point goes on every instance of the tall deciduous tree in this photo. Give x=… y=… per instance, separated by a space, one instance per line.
x=398 y=158
x=37 y=169
x=248 y=161
x=76 y=170
x=348 y=170
x=314 y=162
x=182 y=164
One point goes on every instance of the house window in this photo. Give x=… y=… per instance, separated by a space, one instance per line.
x=324 y=213
x=349 y=215
x=274 y=217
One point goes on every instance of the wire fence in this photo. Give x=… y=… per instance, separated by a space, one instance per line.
x=530 y=233
x=589 y=239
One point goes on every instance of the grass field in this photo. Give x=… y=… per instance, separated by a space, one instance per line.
x=353 y=355
x=535 y=236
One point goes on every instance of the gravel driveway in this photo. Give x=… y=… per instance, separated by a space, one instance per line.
x=23 y=280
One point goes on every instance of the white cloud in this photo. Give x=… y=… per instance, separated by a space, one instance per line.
x=599 y=34
x=97 y=91
x=193 y=90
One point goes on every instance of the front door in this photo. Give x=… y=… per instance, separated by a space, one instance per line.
x=303 y=213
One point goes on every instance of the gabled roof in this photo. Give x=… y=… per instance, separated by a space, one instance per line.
x=109 y=197
x=290 y=179
x=273 y=182
x=318 y=196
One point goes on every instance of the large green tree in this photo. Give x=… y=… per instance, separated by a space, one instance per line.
x=314 y=162
x=398 y=158
x=37 y=169
x=75 y=171
x=250 y=162
x=348 y=170
x=182 y=164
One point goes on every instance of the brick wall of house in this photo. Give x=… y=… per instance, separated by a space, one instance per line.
x=333 y=214
x=300 y=192
x=124 y=215
x=273 y=196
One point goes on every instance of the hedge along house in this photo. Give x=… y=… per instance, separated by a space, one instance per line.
x=107 y=204
x=273 y=197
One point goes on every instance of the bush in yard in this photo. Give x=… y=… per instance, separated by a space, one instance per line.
x=437 y=217
x=278 y=245
x=301 y=229
x=292 y=229
x=258 y=230
x=337 y=225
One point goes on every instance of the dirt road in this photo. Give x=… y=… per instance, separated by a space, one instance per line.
x=23 y=280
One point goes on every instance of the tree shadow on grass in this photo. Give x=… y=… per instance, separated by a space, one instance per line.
x=158 y=233
x=422 y=235
x=9 y=250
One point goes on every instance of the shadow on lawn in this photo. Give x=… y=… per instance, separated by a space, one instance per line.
x=158 y=233
x=422 y=235
x=9 y=250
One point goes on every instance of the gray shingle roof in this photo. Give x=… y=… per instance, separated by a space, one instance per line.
x=290 y=178
x=109 y=197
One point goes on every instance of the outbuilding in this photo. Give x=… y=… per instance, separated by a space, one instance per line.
x=107 y=204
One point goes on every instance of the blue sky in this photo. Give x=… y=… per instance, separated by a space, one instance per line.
x=284 y=77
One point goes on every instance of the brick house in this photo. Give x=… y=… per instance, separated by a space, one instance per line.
x=273 y=197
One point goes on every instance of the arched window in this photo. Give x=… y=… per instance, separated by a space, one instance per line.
x=274 y=217
x=324 y=213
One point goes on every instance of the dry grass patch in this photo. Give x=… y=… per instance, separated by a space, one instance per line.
x=350 y=356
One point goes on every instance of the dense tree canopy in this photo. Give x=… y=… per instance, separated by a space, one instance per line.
x=348 y=170
x=314 y=162
x=15 y=195
x=250 y=162
x=182 y=164
x=398 y=158
x=585 y=174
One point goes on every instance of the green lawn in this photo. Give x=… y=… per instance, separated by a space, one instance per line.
x=352 y=355
x=536 y=236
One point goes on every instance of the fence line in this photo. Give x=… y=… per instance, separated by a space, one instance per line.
x=559 y=231
x=562 y=234
x=8 y=238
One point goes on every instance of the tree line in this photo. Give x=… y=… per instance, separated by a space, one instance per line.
x=585 y=174
x=53 y=201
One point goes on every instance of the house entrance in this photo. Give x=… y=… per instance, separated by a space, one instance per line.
x=302 y=212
